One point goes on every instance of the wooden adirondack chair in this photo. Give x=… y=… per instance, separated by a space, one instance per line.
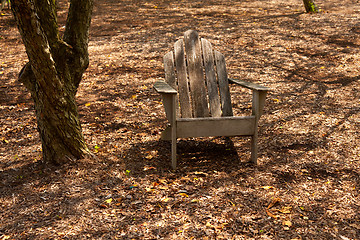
x=197 y=99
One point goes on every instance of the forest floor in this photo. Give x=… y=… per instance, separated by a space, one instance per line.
x=307 y=181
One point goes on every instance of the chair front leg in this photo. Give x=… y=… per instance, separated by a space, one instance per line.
x=170 y=109
x=258 y=103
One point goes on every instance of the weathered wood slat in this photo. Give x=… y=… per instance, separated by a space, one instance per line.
x=212 y=85
x=169 y=95
x=196 y=74
x=163 y=87
x=206 y=127
x=249 y=85
x=223 y=84
x=170 y=69
x=170 y=76
x=183 y=85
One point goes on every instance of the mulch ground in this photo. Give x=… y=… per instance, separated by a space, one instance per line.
x=306 y=185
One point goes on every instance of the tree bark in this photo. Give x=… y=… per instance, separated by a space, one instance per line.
x=310 y=6
x=54 y=72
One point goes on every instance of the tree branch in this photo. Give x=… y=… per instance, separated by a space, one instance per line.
x=46 y=10
x=77 y=35
x=26 y=77
x=37 y=47
x=78 y=25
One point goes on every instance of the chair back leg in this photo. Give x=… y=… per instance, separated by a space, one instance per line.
x=254 y=148
x=173 y=147
x=173 y=131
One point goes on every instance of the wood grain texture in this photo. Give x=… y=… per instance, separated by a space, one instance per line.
x=211 y=81
x=169 y=68
x=196 y=74
x=223 y=84
x=183 y=84
x=170 y=76
x=223 y=126
x=207 y=127
x=249 y=85
x=164 y=87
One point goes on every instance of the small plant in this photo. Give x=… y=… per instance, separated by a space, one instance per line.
x=310 y=6
x=3 y=4
x=96 y=148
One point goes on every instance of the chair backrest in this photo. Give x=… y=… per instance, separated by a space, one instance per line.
x=199 y=74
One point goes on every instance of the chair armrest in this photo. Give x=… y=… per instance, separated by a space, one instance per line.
x=169 y=100
x=163 y=88
x=252 y=86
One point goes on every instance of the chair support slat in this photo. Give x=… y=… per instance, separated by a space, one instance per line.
x=196 y=74
x=212 y=85
x=223 y=84
x=211 y=127
x=183 y=84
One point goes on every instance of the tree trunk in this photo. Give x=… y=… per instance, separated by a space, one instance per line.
x=54 y=72
x=310 y=6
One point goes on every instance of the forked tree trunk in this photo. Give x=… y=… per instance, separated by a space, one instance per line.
x=54 y=72
x=310 y=6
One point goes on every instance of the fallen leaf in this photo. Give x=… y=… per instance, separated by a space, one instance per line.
x=274 y=202
x=270 y=214
x=219 y=227
x=285 y=210
x=148 y=168
x=201 y=173
x=344 y=238
x=267 y=187
x=185 y=178
x=108 y=200
x=287 y=223
x=209 y=225
x=163 y=181
x=184 y=194
x=357 y=226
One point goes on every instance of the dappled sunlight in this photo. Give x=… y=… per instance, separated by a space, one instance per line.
x=306 y=185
